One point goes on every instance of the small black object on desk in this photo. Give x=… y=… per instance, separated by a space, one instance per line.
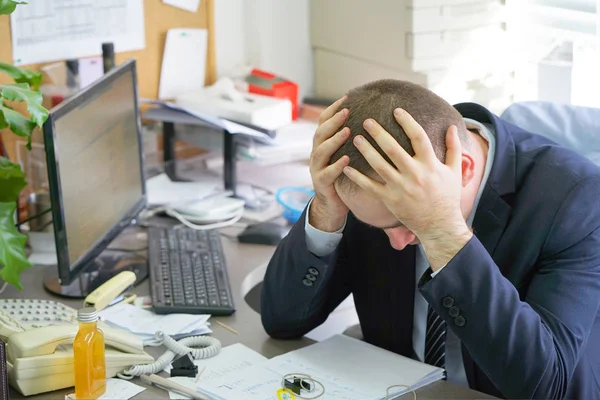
x=184 y=366
x=267 y=233
x=297 y=385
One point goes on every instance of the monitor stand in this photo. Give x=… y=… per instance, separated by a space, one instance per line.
x=108 y=264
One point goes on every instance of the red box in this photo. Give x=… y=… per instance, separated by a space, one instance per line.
x=267 y=84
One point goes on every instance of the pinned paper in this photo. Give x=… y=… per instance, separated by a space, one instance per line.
x=90 y=70
x=188 y=5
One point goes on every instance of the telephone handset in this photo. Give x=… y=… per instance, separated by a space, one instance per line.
x=44 y=341
x=40 y=334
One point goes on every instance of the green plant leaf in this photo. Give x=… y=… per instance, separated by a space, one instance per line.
x=21 y=92
x=12 y=246
x=12 y=180
x=22 y=75
x=18 y=124
x=3 y=122
x=8 y=6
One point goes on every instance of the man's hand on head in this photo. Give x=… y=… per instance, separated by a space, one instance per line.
x=327 y=211
x=422 y=192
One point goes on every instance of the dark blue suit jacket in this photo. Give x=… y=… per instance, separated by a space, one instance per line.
x=527 y=285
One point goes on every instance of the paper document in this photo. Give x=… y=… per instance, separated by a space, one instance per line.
x=184 y=62
x=230 y=359
x=188 y=5
x=51 y=30
x=217 y=122
x=145 y=323
x=116 y=389
x=348 y=368
x=292 y=142
x=90 y=70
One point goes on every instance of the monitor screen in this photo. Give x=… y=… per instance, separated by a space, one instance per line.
x=95 y=169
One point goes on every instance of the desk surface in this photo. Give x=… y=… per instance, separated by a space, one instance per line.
x=246 y=269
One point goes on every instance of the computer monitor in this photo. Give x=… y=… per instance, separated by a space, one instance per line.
x=96 y=179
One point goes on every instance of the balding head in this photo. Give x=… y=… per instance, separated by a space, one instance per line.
x=378 y=100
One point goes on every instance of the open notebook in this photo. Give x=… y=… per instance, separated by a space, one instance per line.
x=348 y=368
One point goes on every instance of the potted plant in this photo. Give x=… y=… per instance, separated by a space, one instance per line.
x=13 y=259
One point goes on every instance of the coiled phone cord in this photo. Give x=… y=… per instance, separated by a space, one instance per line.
x=199 y=347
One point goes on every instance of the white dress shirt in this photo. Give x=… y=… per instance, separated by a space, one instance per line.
x=323 y=243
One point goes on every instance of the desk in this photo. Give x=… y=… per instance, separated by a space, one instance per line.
x=244 y=272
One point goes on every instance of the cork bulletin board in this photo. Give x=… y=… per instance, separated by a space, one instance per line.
x=159 y=18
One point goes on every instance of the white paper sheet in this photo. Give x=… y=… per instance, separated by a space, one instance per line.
x=234 y=358
x=116 y=389
x=348 y=368
x=145 y=322
x=51 y=30
x=188 y=5
x=90 y=70
x=184 y=62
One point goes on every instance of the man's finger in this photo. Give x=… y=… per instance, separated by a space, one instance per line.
x=401 y=159
x=329 y=128
x=453 y=149
x=415 y=132
x=368 y=184
x=376 y=160
x=331 y=110
x=323 y=153
x=332 y=172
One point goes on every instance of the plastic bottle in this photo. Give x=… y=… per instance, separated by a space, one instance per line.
x=88 y=355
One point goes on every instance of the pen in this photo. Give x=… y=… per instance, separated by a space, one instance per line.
x=171 y=386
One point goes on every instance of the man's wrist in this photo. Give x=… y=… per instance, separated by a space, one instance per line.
x=320 y=218
x=441 y=246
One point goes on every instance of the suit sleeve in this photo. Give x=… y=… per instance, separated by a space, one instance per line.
x=300 y=290
x=530 y=348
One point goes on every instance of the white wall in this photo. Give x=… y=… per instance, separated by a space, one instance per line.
x=230 y=45
x=269 y=34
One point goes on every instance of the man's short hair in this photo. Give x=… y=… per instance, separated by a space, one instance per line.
x=378 y=100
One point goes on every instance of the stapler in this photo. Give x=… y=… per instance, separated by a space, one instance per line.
x=112 y=292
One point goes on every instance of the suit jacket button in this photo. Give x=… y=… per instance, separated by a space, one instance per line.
x=313 y=271
x=311 y=277
x=307 y=282
x=454 y=311
x=448 y=302
x=460 y=321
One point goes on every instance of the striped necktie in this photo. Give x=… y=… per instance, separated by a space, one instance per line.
x=435 y=339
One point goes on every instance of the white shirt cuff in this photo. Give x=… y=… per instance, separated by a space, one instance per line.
x=318 y=242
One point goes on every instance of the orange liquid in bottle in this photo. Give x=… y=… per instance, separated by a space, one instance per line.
x=89 y=360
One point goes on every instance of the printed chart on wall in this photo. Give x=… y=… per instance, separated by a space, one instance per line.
x=51 y=30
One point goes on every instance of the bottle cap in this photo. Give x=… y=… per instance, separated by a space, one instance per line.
x=87 y=314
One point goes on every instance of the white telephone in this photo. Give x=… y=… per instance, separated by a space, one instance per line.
x=39 y=336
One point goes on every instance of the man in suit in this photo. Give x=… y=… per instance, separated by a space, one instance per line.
x=467 y=243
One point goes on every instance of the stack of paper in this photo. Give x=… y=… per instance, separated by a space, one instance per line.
x=349 y=369
x=292 y=142
x=145 y=323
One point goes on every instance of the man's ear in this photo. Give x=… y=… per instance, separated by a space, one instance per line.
x=468 y=168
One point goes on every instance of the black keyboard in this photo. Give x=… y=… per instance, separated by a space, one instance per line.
x=188 y=272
